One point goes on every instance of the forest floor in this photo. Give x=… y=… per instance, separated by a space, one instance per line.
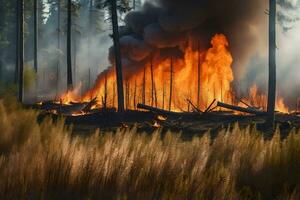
x=189 y=126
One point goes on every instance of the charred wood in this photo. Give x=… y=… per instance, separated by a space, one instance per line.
x=241 y=109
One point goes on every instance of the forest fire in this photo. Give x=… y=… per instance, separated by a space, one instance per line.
x=200 y=76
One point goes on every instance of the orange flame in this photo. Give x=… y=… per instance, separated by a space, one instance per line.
x=201 y=77
x=260 y=101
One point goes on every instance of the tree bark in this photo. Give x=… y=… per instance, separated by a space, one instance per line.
x=199 y=79
x=118 y=59
x=134 y=94
x=163 y=95
x=17 y=67
x=105 y=93
x=144 y=88
x=152 y=83
x=58 y=47
x=171 y=84
x=69 y=50
x=35 y=35
x=272 y=65
x=240 y=109
x=21 y=50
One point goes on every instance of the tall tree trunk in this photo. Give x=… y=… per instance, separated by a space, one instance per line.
x=163 y=95
x=21 y=46
x=272 y=65
x=17 y=67
x=36 y=21
x=105 y=92
x=118 y=59
x=199 y=77
x=69 y=50
x=171 y=84
x=75 y=58
x=58 y=47
x=134 y=95
x=153 y=87
x=90 y=26
x=152 y=83
x=144 y=87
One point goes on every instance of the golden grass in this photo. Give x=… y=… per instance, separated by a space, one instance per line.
x=43 y=161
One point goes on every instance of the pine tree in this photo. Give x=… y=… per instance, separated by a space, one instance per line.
x=21 y=48
x=69 y=45
x=36 y=21
x=272 y=65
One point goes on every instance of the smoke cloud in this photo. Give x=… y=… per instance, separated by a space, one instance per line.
x=175 y=24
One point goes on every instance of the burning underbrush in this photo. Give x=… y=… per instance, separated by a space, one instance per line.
x=180 y=83
x=44 y=161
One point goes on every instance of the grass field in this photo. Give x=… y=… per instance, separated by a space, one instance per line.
x=44 y=161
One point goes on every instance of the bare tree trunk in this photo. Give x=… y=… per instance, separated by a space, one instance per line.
x=21 y=55
x=17 y=67
x=164 y=94
x=117 y=48
x=90 y=25
x=114 y=95
x=58 y=47
x=134 y=95
x=35 y=35
x=75 y=58
x=171 y=84
x=144 y=88
x=69 y=45
x=105 y=93
x=152 y=83
x=199 y=75
x=272 y=65
x=126 y=95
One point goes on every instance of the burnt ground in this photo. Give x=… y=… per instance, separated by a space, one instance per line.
x=188 y=124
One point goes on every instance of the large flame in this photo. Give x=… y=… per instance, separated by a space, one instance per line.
x=172 y=83
x=260 y=101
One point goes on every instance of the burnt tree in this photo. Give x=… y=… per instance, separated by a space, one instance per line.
x=17 y=67
x=134 y=94
x=58 y=47
x=20 y=46
x=144 y=87
x=171 y=84
x=153 y=88
x=199 y=77
x=272 y=65
x=69 y=50
x=117 y=51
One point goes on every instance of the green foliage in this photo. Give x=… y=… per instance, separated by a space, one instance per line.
x=43 y=161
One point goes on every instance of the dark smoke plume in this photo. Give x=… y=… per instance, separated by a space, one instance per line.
x=173 y=24
x=164 y=28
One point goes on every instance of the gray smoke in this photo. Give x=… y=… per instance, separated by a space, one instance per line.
x=288 y=13
x=167 y=26
x=172 y=24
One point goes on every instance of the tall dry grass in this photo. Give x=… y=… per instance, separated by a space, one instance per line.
x=43 y=161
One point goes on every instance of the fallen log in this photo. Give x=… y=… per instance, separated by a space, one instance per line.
x=156 y=110
x=241 y=109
